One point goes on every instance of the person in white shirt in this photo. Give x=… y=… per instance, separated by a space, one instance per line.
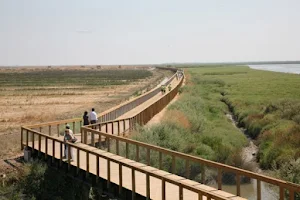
x=93 y=117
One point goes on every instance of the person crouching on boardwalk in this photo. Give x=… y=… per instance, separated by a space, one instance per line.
x=68 y=136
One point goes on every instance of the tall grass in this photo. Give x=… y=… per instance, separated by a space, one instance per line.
x=266 y=103
x=196 y=124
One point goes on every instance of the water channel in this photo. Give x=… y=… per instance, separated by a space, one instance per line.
x=249 y=190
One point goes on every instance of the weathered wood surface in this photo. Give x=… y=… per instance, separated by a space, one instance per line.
x=171 y=190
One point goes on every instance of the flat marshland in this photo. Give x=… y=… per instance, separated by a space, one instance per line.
x=34 y=95
x=266 y=104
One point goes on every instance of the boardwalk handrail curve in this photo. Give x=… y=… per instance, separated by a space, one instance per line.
x=201 y=193
x=190 y=158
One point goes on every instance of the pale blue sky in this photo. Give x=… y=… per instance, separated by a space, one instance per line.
x=56 y=32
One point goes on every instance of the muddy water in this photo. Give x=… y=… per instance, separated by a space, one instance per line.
x=249 y=190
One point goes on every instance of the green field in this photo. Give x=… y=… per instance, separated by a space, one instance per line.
x=72 y=77
x=266 y=103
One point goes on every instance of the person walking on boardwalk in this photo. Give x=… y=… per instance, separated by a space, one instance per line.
x=169 y=87
x=85 y=118
x=68 y=137
x=93 y=117
x=163 y=89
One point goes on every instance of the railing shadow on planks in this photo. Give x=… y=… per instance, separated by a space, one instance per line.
x=110 y=132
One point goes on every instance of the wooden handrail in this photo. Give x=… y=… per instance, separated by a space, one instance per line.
x=190 y=158
x=134 y=168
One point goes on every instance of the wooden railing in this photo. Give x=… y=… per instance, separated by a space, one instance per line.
x=143 y=117
x=121 y=109
x=49 y=142
x=188 y=159
x=120 y=126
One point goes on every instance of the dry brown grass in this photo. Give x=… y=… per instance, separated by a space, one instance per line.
x=177 y=117
x=29 y=105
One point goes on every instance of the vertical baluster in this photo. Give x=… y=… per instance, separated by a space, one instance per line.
x=50 y=130
x=187 y=168
x=53 y=151
x=127 y=149
x=133 y=183
x=173 y=164
x=147 y=186
x=238 y=185
x=120 y=179
x=78 y=161
x=57 y=129
x=160 y=160
x=108 y=173
x=97 y=169
x=163 y=189
x=258 y=184
x=137 y=155
x=148 y=156
x=87 y=164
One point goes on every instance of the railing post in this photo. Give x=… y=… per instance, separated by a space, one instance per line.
x=117 y=146
x=108 y=143
x=148 y=156
x=133 y=183
x=78 y=162
x=120 y=179
x=69 y=157
x=160 y=160
x=97 y=168
x=203 y=175
x=127 y=149
x=258 y=190
x=50 y=130
x=180 y=192
x=32 y=138
x=85 y=137
x=187 y=168
x=74 y=128
x=92 y=139
x=57 y=129
x=87 y=164
x=219 y=179
x=53 y=151
x=22 y=138
x=61 y=154
x=119 y=128
x=147 y=186
x=173 y=164
x=46 y=148
x=108 y=173
x=40 y=145
x=81 y=135
x=27 y=139
x=137 y=155
x=238 y=185
x=124 y=126
x=163 y=189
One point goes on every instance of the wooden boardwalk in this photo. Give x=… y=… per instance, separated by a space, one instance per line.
x=146 y=104
x=171 y=190
x=140 y=178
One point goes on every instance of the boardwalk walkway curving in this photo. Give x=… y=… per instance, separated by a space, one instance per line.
x=110 y=166
x=172 y=191
x=144 y=105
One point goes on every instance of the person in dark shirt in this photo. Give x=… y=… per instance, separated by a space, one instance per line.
x=85 y=118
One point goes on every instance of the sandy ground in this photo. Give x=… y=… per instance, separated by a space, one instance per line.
x=20 y=108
